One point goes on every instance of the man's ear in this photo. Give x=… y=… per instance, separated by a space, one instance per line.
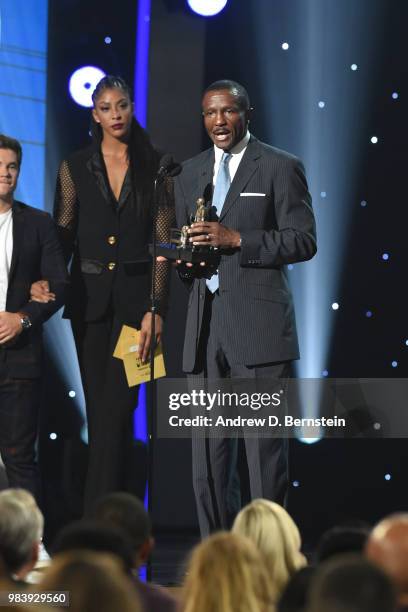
x=145 y=549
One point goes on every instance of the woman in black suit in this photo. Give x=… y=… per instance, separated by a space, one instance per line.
x=104 y=212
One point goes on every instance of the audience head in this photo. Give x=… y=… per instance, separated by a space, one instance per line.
x=276 y=536
x=21 y=531
x=295 y=596
x=387 y=547
x=340 y=540
x=226 y=573
x=126 y=512
x=350 y=583
x=95 y=582
x=97 y=537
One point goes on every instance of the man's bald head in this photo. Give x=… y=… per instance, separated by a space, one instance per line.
x=387 y=547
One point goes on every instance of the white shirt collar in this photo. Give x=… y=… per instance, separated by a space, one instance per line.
x=239 y=148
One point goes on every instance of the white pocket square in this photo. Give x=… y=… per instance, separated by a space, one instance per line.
x=247 y=194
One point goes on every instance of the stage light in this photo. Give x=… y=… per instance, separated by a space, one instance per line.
x=385 y=256
x=323 y=194
x=296 y=483
x=290 y=266
x=374 y=139
x=325 y=373
x=72 y=394
x=369 y=314
x=406 y=342
x=377 y=426
x=363 y=203
x=387 y=477
x=207 y=8
x=53 y=436
x=321 y=104
x=108 y=40
x=285 y=46
x=335 y=306
x=354 y=67
x=394 y=364
x=82 y=83
x=395 y=95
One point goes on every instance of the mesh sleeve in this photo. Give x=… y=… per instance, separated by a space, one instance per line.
x=66 y=210
x=165 y=220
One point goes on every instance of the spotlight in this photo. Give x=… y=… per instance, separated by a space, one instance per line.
x=354 y=67
x=335 y=306
x=394 y=95
x=295 y=483
x=53 y=436
x=207 y=8
x=369 y=314
x=406 y=342
x=82 y=83
x=377 y=426
x=394 y=364
x=325 y=373
x=108 y=40
x=285 y=46
x=385 y=256
x=374 y=139
x=72 y=394
x=363 y=203
x=321 y=104
x=290 y=266
x=387 y=477
x=323 y=194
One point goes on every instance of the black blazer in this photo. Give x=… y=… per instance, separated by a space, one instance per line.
x=36 y=254
x=277 y=227
x=108 y=239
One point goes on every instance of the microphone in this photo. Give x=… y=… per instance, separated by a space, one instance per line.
x=168 y=167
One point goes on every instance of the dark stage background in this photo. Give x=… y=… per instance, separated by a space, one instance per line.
x=358 y=189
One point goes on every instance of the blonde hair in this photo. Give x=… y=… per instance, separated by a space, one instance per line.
x=226 y=574
x=276 y=536
x=95 y=582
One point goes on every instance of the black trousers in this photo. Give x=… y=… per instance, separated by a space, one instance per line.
x=19 y=410
x=227 y=472
x=110 y=404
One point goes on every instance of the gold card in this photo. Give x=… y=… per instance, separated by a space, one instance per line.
x=127 y=348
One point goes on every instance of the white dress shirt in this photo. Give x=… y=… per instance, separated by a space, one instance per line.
x=237 y=153
x=6 y=251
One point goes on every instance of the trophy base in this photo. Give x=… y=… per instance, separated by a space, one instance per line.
x=188 y=255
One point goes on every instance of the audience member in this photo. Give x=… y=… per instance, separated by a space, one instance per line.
x=21 y=530
x=226 y=573
x=126 y=512
x=93 y=536
x=350 y=583
x=340 y=540
x=95 y=582
x=276 y=536
x=295 y=596
x=387 y=547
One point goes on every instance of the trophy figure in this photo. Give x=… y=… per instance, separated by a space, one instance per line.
x=180 y=247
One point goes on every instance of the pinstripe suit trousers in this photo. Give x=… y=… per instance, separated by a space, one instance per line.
x=215 y=470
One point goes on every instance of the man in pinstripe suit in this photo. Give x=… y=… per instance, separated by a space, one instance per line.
x=240 y=321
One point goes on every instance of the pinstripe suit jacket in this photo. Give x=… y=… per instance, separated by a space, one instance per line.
x=277 y=228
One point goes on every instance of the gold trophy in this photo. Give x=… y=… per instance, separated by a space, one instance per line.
x=179 y=246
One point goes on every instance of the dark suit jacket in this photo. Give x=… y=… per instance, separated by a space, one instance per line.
x=276 y=228
x=108 y=239
x=37 y=254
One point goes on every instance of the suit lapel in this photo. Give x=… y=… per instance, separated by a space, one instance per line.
x=18 y=236
x=247 y=167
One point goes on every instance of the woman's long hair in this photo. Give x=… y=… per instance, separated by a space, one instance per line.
x=226 y=574
x=143 y=159
x=276 y=536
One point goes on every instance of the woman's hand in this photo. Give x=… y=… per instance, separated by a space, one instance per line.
x=40 y=292
x=145 y=334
